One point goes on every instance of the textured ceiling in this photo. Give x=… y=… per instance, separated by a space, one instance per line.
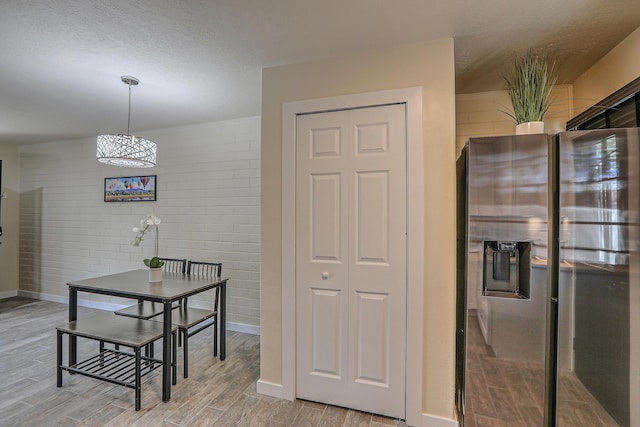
x=201 y=61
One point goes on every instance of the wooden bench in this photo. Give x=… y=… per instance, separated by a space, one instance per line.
x=115 y=366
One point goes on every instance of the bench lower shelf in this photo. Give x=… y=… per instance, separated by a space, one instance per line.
x=114 y=366
x=125 y=368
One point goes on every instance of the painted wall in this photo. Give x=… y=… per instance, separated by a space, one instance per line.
x=431 y=66
x=480 y=114
x=617 y=68
x=208 y=197
x=9 y=220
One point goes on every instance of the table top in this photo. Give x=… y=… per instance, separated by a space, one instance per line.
x=135 y=284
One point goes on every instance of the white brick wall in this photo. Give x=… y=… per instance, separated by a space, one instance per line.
x=208 y=191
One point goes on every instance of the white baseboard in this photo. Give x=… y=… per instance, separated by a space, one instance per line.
x=244 y=328
x=270 y=389
x=435 y=421
x=231 y=326
x=8 y=294
x=65 y=300
x=43 y=297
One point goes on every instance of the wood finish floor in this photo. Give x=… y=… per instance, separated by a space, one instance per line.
x=503 y=393
x=217 y=393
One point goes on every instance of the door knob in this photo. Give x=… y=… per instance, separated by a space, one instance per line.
x=325 y=275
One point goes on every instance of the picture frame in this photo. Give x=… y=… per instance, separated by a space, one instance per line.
x=130 y=188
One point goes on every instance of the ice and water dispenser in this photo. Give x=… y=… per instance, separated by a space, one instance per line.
x=506 y=267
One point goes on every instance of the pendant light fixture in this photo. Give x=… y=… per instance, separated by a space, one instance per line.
x=126 y=149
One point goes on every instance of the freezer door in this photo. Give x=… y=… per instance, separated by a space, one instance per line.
x=599 y=294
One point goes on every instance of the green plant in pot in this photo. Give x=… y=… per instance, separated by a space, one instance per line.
x=155 y=269
x=530 y=82
x=154 y=262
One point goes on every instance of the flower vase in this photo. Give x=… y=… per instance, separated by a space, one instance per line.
x=155 y=275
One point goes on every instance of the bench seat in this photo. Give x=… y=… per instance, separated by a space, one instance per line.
x=115 y=366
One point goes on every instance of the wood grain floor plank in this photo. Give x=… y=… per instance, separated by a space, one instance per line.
x=308 y=416
x=261 y=414
x=102 y=416
x=287 y=411
x=357 y=419
x=207 y=416
x=333 y=416
x=239 y=410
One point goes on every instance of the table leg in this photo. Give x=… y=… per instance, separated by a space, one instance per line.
x=59 y=359
x=223 y=320
x=73 y=315
x=166 y=353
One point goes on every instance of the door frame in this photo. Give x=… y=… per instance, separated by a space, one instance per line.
x=412 y=98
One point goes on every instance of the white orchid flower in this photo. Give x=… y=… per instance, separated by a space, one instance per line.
x=145 y=225
x=153 y=220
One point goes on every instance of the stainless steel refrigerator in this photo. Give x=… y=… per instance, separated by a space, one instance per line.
x=548 y=280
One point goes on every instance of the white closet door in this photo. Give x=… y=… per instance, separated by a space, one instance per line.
x=351 y=258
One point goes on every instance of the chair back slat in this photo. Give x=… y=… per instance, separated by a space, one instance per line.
x=206 y=269
x=174 y=265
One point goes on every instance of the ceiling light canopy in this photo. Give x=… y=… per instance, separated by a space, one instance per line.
x=125 y=149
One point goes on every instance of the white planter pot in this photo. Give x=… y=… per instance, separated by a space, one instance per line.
x=155 y=275
x=529 y=128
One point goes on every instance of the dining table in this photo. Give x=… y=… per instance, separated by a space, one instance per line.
x=135 y=285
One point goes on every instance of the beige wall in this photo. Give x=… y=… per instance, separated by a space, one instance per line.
x=481 y=114
x=9 y=220
x=431 y=66
x=617 y=68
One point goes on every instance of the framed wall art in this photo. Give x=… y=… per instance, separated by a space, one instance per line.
x=130 y=189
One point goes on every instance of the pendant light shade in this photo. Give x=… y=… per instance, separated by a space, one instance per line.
x=125 y=149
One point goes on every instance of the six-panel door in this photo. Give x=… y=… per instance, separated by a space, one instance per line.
x=351 y=258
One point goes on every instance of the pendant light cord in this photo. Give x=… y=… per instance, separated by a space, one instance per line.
x=129 y=115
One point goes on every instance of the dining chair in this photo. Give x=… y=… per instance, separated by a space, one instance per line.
x=191 y=320
x=147 y=309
